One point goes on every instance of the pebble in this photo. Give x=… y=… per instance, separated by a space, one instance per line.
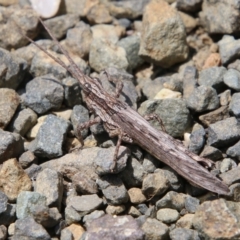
x=76 y=231
x=227 y=164
x=159 y=42
x=99 y=14
x=3 y=232
x=211 y=153
x=184 y=234
x=197 y=140
x=50 y=137
x=234 y=151
x=189 y=81
x=27 y=159
x=167 y=215
x=3 y=202
x=234 y=105
x=225 y=97
x=132 y=211
x=115 y=210
x=191 y=204
x=167 y=93
x=223 y=133
x=136 y=196
x=173 y=113
x=9 y=101
x=232 y=79
x=189 y=22
x=185 y=221
x=93 y=215
x=231 y=176
x=189 y=6
x=9 y=216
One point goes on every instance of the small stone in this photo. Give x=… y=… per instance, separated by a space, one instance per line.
x=3 y=232
x=228 y=49
x=150 y=163
x=211 y=153
x=162 y=47
x=26 y=159
x=232 y=79
x=184 y=234
x=120 y=227
x=99 y=14
x=189 y=22
x=11 y=145
x=51 y=135
x=3 y=202
x=76 y=229
x=93 y=215
x=213 y=60
x=197 y=140
x=223 y=133
x=191 y=204
x=185 y=221
x=71 y=215
x=213 y=77
x=218 y=211
x=234 y=151
x=33 y=132
x=155 y=229
x=234 y=105
x=227 y=164
x=85 y=204
x=231 y=176
x=104 y=54
x=136 y=196
x=225 y=97
x=189 y=81
x=166 y=93
x=33 y=171
x=66 y=234
x=113 y=189
x=49 y=183
x=204 y=98
x=167 y=215
x=115 y=210
x=155 y=184
x=132 y=211
x=13 y=179
x=189 y=6
x=27 y=228
x=172 y=200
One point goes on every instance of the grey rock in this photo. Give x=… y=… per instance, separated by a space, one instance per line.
x=124 y=22
x=191 y=204
x=104 y=54
x=50 y=137
x=167 y=215
x=80 y=115
x=151 y=212
x=231 y=176
x=33 y=170
x=60 y=24
x=197 y=140
x=189 y=5
x=228 y=49
x=213 y=77
x=71 y=215
x=189 y=81
x=9 y=101
x=85 y=204
x=172 y=200
x=132 y=211
x=78 y=40
x=151 y=88
x=43 y=94
x=175 y=82
x=8 y=216
x=163 y=38
x=150 y=163
x=84 y=181
x=131 y=44
x=27 y=228
x=103 y=162
x=23 y=121
x=232 y=79
x=113 y=190
x=224 y=212
x=234 y=65
x=234 y=192
x=142 y=208
x=211 y=153
x=184 y=234
x=122 y=227
x=27 y=202
x=93 y=215
x=173 y=113
x=155 y=229
x=72 y=92
x=11 y=145
x=3 y=202
x=66 y=234
x=203 y=98
x=13 y=70
x=26 y=159
x=234 y=107
x=129 y=93
x=3 y=232
x=98 y=129
x=213 y=22
x=49 y=183
x=223 y=133
x=155 y=184
x=227 y=164
x=133 y=174
x=234 y=151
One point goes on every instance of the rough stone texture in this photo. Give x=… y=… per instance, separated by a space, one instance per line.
x=167 y=215
x=231 y=176
x=3 y=202
x=51 y=135
x=213 y=77
x=232 y=79
x=11 y=145
x=189 y=5
x=223 y=133
x=13 y=179
x=93 y=215
x=27 y=159
x=9 y=101
x=104 y=54
x=197 y=140
x=43 y=94
x=227 y=164
x=27 y=228
x=234 y=151
x=191 y=204
x=211 y=153
x=9 y=216
x=99 y=14
x=123 y=227
x=115 y=210
x=113 y=190
x=136 y=196
x=163 y=40
x=212 y=20
x=184 y=234
x=234 y=106
x=218 y=219
x=185 y=221
x=76 y=231
x=228 y=49
x=173 y=112
x=49 y=183
x=204 y=98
